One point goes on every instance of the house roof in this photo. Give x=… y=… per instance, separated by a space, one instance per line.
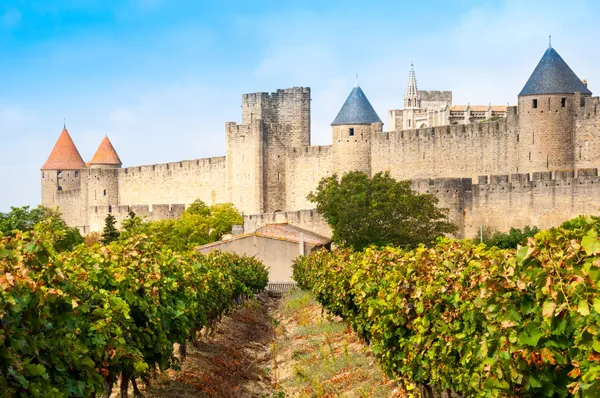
x=284 y=231
x=356 y=110
x=106 y=154
x=64 y=155
x=552 y=75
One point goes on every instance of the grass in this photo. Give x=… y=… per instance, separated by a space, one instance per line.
x=322 y=357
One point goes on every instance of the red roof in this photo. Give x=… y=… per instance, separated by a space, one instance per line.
x=64 y=155
x=106 y=154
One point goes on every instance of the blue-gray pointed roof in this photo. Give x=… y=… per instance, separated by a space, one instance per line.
x=552 y=75
x=356 y=110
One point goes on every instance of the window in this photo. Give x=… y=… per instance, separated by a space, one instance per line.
x=534 y=104
x=59 y=188
x=563 y=102
x=109 y=208
x=351 y=131
x=43 y=174
x=408 y=122
x=76 y=174
x=59 y=174
x=105 y=192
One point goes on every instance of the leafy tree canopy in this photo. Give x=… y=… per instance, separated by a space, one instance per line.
x=506 y=240
x=25 y=219
x=379 y=211
x=198 y=225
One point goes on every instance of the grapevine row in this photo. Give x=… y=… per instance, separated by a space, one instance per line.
x=72 y=323
x=474 y=320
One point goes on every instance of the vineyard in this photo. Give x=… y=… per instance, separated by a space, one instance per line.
x=466 y=319
x=73 y=323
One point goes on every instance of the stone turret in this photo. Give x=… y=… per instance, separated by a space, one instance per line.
x=351 y=133
x=61 y=172
x=412 y=97
x=548 y=105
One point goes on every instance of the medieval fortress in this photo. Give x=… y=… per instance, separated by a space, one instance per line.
x=499 y=166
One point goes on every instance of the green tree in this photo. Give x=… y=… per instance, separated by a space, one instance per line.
x=131 y=222
x=25 y=219
x=110 y=232
x=507 y=240
x=379 y=211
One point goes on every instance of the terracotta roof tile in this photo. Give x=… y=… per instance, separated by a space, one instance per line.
x=106 y=154
x=64 y=155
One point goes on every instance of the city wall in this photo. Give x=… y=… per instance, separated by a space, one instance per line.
x=449 y=151
x=306 y=166
x=183 y=181
x=97 y=214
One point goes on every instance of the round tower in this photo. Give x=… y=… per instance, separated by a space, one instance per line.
x=61 y=172
x=352 y=132
x=103 y=186
x=547 y=108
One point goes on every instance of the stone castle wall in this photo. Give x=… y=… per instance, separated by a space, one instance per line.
x=187 y=181
x=97 y=214
x=449 y=151
x=306 y=166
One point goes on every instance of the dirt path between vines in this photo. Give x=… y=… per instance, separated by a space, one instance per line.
x=235 y=362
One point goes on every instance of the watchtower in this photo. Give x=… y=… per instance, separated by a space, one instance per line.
x=351 y=133
x=548 y=105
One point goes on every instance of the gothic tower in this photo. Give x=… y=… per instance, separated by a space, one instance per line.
x=351 y=133
x=412 y=101
x=548 y=105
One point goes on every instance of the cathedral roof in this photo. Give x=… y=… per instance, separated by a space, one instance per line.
x=64 y=155
x=356 y=110
x=106 y=154
x=552 y=75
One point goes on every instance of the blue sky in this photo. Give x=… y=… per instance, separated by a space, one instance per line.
x=161 y=78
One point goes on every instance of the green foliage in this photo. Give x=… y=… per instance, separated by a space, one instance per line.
x=131 y=222
x=110 y=232
x=198 y=225
x=73 y=321
x=379 y=211
x=24 y=219
x=480 y=321
x=508 y=240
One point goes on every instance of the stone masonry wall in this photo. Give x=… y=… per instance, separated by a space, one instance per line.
x=587 y=134
x=97 y=214
x=449 y=151
x=306 y=166
x=176 y=182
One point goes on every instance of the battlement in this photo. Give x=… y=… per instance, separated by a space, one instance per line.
x=184 y=165
x=280 y=93
x=541 y=179
x=446 y=132
x=310 y=151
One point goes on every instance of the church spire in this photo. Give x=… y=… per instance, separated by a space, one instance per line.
x=412 y=98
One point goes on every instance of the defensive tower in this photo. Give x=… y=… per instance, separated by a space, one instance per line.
x=351 y=133
x=103 y=184
x=548 y=105
x=61 y=172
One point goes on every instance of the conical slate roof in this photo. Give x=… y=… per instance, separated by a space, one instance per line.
x=552 y=75
x=64 y=155
x=106 y=154
x=356 y=110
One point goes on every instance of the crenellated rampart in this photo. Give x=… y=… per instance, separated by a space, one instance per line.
x=183 y=181
x=449 y=151
x=97 y=214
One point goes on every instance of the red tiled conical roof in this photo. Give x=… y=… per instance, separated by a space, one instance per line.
x=106 y=154
x=64 y=155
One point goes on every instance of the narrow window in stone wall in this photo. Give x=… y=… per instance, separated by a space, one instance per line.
x=529 y=155
x=351 y=131
x=534 y=105
x=109 y=208
x=43 y=174
x=278 y=176
x=408 y=122
x=105 y=192
x=76 y=174
x=563 y=102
